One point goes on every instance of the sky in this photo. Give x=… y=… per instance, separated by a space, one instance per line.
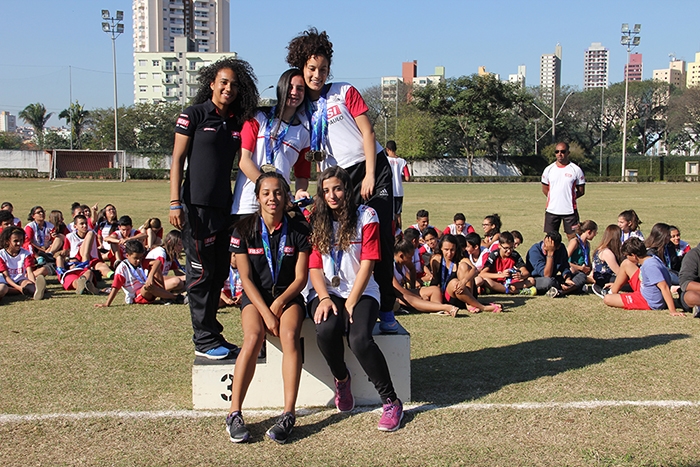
x=50 y=46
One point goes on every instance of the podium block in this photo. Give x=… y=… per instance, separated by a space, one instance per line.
x=212 y=379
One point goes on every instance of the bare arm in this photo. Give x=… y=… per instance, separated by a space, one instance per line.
x=182 y=143
x=609 y=257
x=325 y=304
x=668 y=298
x=358 y=288
x=545 y=189
x=370 y=147
x=247 y=166
x=245 y=270
x=301 y=271
x=580 y=190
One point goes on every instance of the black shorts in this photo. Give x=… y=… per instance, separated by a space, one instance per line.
x=267 y=296
x=552 y=222
x=398 y=204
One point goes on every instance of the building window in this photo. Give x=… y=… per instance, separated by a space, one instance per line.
x=156 y=76
x=169 y=66
x=143 y=75
x=143 y=62
x=143 y=89
x=193 y=65
x=156 y=89
x=691 y=168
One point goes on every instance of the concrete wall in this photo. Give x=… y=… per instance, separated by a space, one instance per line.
x=459 y=166
x=16 y=159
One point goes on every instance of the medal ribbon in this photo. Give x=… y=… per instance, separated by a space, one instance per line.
x=336 y=255
x=445 y=271
x=274 y=270
x=270 y=150
x=584 y=248
x=319 y=121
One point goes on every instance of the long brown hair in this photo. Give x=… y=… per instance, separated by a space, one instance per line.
x=322 y=218
x=611 y=240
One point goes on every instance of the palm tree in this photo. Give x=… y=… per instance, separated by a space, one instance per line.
x=36 y=116
x=77 y=117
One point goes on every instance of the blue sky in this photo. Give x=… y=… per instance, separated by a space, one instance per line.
x=42 y=38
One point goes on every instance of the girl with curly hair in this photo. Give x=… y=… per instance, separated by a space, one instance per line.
x=342 y=135
x=344 y=299
x=207 y=135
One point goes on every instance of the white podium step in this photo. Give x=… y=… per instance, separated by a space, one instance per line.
x=211 y=379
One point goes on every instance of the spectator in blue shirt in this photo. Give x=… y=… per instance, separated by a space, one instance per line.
x=548 y=263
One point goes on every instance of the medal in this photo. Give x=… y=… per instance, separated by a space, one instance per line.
x=335 y=281
x=268 y=168
x=336 y=255
x=318 y=117
x=272 y=148
x=317 y=156
x=274 y=266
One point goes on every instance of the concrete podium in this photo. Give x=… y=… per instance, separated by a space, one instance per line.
x=212 y=379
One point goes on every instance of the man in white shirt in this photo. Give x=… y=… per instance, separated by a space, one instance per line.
x=563 y=183
x=400 y=174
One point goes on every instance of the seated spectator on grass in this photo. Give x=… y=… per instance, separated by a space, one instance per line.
x=82 y=259
x=492 y=230
x=659 y=244
x=417 y=265
x=162 y=259
x=428 y=299
x=548 y=264
x=517 y=238
x=422 y=222
x=459 y=226
x=107 y=223
x=426 y=250
x=505 y=271
x=680 y=247
x=476 y=253
x=41 y=239
x=607 y=257
x=690 y=282
x=579 y=250
x=17 y=267
x=648 y=278
x=119 y=237
x=629 y=223
x=154 y=233
x=6 y=219
x=232 y=291
x=7 y=206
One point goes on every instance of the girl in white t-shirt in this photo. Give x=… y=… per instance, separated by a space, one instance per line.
x=162 y=259
x=41 y=238
x=17 y=267
x=275 y=140
x=344 y=300
x=342 y=135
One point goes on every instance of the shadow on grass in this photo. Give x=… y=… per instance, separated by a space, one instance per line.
x=459 y=377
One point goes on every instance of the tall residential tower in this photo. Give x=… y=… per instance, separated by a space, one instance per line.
x=550 y=72
x=595 y=66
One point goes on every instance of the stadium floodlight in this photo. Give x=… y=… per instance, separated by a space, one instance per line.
x=625 y=40
x=625 y=28
x=105 y=14
x=637 y=28
x=630 y=40
x=120 y=28
x=105 y=27
x=114 y=27
x=120 y=15
x=635 y=41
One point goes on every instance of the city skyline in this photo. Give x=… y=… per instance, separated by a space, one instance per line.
x=500 y=37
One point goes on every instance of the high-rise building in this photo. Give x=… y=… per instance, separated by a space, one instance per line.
x=550 y=72
x=170 y=76
x=8 y=122
x=518 y=78
x=693 y=77
x=409 y=76
x=595 y=66
x=674 y=74
x=158 y=22
x=633 y=69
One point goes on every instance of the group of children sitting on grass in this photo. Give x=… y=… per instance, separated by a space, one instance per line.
x=436 y=271
x=442 y=271
x=96 y=245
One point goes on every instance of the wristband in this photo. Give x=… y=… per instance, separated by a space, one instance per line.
x=328 y=297
x=176 y=208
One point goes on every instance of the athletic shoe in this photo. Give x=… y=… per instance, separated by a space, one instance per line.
x=236 y=429
x=90 y=287
x=80 y=284
x=217 y=353
x=392 y=415
x=344 y=401
x=388 y=323
x=280 y=431
x=553 y=293
x=696 y=311
x=40 y=287
x=599 y=291
x=531 y=291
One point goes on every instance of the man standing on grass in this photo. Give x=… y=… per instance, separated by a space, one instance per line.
x=563 y=183
x=400 y=174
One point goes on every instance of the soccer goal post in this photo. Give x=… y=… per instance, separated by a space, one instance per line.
x=86 y=164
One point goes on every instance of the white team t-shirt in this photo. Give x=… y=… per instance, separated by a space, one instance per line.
x=365 y=246
x=73 y=243
x=15 y=266
x=296 y=143
x=159 y=253
x=398 y=166
x=130 y=279
x=344 y=146
x=562 y=182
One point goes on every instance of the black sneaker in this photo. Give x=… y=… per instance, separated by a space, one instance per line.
x=553 y=292
x=599 y=291
x=236 y=429
x=280 y=431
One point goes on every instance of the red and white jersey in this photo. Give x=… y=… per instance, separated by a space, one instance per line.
x=344 y=146
x=295 y=145
x=159 y=253
x=38 y=235
x=480 y=261
x=401 y=274
x=365 y=246
x=16 y=222
x=73 y=243
x=130 y=279
x=71 y=226
x=16 y=266
x=399 y=171
x=562 y=181
x=104 y=230
x=118 y=234
x=452 y=229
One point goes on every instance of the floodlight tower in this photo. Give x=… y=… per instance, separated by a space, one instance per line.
x=114 y=27
x=630 y=39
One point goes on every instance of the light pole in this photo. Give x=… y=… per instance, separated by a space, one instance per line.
x=630 y=39
x=115 y=28
x=553 y=118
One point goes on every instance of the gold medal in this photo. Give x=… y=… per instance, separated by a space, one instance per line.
x=317 y=156
x=268 y=168
x=335 y=281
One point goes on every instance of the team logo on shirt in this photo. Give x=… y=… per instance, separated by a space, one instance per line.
x=208 y=129
x=183 y=121
x=236 y=134
x=568 y=175
x=255 y=251
x=209 y=240
x=288 y=250
x=235 y=242
x=334 y=114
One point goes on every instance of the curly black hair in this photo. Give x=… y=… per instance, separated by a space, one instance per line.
x=306 y=45
x=246 y=102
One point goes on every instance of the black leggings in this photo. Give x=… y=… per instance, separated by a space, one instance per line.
x=329 y=337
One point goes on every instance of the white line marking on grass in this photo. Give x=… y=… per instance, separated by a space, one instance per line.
x=148 y=415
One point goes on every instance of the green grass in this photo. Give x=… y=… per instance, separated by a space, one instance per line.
x=64 y=355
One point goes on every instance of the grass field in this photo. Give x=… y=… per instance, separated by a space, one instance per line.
x=549 y=382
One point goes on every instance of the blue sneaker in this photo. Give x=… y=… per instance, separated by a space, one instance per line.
x=217 y=353
x=388 y=323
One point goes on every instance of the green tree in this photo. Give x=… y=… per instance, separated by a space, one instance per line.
x=10 y=140
x=684 y=121
x=54 y=140
x=36 y=116
x=77 y=117
x=416 y=136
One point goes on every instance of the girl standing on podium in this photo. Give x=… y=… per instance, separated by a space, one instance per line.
x=272 y=253
x=345 y=297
